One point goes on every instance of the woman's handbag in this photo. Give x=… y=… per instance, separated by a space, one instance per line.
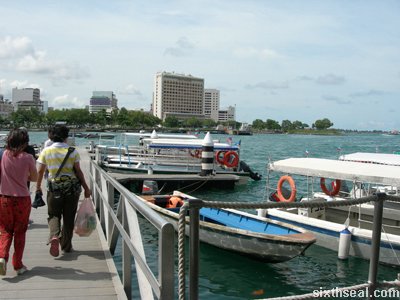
x=85 y=221
x=38 y=201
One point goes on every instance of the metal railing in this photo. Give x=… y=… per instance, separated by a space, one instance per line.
x=123 y=222
x=194 y=206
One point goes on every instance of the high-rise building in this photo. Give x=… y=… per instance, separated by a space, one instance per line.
x=211 y=104
x=178 y=95
x=227 y=114
x=26 y=98
x=103 y=100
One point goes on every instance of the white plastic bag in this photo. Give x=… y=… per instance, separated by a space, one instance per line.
x=85 y=221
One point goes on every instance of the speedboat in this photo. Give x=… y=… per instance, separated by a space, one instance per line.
x=167 y=154
x=308 y=179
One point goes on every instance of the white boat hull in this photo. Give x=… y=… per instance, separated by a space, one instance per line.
x=328 y=233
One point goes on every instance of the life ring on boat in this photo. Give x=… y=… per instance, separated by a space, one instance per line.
x=195 y=154
x=231 y=159
x=293 y=192
x=335 y=187
x=219 y=158
x=174 y=201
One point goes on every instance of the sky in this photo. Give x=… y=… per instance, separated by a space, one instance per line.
x=281 y=60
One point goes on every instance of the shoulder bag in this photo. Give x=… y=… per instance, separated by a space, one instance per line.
x=64 y=185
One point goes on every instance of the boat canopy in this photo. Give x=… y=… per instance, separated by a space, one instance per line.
x=338 y=169
x=373 y=158
x=161 y=135
x=187 y=144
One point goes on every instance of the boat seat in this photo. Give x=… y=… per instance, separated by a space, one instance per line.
x=157 y=200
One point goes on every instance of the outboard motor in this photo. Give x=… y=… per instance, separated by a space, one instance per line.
x=274 y=195
x=150 y=187
x=245 y=168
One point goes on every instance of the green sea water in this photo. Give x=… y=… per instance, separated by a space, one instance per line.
x=225 y=275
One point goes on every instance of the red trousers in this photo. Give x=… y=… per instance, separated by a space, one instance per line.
x=14 y=219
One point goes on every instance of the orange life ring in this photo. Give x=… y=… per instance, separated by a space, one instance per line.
x=335 y=187
x=219 y=158
x=292 y=187
x=196 y=153
x=174 y=201
x=229 y=161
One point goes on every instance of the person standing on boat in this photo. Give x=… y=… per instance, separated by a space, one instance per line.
x=16 y=168
x=61 y=205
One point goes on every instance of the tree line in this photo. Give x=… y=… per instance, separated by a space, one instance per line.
x=287 y=125
x=130 y=119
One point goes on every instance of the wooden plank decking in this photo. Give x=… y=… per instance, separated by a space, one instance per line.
x=86 y=273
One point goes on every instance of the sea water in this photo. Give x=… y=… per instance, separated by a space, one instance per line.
x=226 y=275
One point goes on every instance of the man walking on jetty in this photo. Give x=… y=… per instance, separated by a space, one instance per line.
x=65 y=179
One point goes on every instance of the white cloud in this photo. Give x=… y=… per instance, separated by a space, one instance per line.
x=130 y=89
x=15 y=47
x=367 y=93
x=336 y=100
x=330 y=79
x=65 y=101
x=250 y=52
x=268 y=85
x=182 y=47
x=19 y=84
x=19 y=54
x=35 y=63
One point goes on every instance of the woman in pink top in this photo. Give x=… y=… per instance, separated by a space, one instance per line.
x=16 y=168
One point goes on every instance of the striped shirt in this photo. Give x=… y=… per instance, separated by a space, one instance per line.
x=53 y=156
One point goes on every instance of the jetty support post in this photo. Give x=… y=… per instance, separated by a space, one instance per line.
x=194 y=211
x=207 y=156
x=375 y=243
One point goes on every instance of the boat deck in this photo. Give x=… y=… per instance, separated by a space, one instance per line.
x=175 y=177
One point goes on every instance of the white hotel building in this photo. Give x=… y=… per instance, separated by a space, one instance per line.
x=211 y=104
x=184 y=97
x=178 y=95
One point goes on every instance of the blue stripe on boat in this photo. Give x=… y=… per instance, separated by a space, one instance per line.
x=231 y=219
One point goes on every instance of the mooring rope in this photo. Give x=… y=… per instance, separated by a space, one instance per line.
x=181 y=251
x=339 y=291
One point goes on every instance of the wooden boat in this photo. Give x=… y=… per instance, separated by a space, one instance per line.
x=238 y=231
x=349 y=180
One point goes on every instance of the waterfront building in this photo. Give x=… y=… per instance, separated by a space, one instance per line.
x=6 y=107
x=178 y=95
x=103 y=100
x=211 y=104
x=26 y=99
x=227 y=114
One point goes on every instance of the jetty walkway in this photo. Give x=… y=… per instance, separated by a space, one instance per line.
x=87 y=273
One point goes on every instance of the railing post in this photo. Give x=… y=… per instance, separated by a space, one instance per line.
x=166 y=259
x=194 y=210
x=107 y=216
x=126 y=256
x=375 y=243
